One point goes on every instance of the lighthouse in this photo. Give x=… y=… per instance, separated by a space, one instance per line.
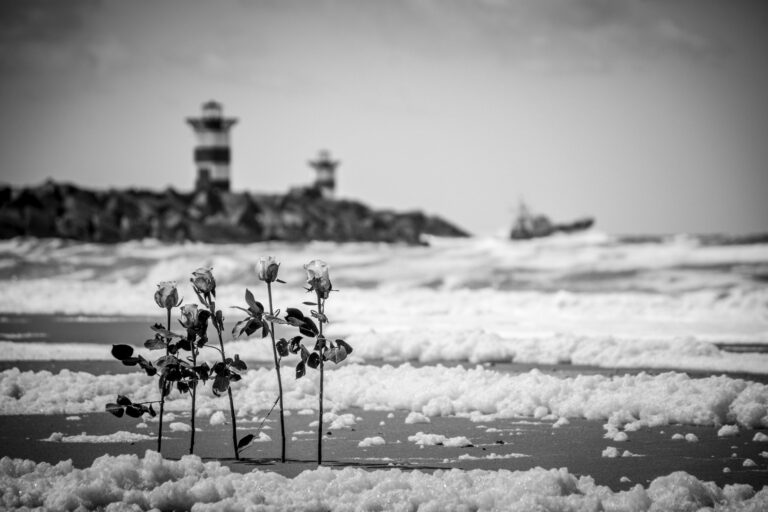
x=325 y=181
x=212 y=153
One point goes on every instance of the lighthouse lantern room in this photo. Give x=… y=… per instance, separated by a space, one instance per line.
x=212 y=150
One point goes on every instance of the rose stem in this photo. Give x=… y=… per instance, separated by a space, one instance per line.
x=279 y=380
x=229 y=388
x=162 y=392
x=194 y=394
x=320 y=417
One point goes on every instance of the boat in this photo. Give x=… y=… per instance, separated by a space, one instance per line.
x=529 y=225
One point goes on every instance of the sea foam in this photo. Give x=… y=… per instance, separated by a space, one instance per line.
x=630 y=401
x=151 y=482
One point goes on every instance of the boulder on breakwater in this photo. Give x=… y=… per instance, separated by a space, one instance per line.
x=68 y=211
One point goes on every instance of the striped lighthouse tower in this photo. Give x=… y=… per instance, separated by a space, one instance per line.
x=212 y=153
x=325 y=180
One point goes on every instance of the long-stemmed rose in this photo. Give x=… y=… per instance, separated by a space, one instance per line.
x=175 y=370
x=319 y=282
x=167 y=297
x=260 y=320
x=204 y=285
x=196 y=324
x=267 y=270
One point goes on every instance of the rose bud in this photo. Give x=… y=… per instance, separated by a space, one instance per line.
x=317 y=277
x=203 y=280
x=166 y=295
x=189 y=314
x=267 y=269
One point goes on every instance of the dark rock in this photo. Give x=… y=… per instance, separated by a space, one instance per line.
x=204 y=204
x=32 y=211
x=12 y=223
x=6 y=192
x=41 y=222
x=241 y=210
x=67 y=211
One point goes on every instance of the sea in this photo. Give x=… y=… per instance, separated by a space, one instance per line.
x=591 y=285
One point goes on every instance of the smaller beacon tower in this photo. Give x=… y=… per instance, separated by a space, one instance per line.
x=212 y=153
x=325 y=181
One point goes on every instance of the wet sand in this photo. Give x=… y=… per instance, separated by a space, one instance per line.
x=577 y=446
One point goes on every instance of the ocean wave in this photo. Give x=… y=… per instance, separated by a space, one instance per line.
x=739 y=316
x=593 y=286
x=474 y=262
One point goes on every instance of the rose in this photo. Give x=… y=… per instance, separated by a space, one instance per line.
x=203 y=281
x=167 y=296
x=267 y=269
x=317 y=277
x=189 y=316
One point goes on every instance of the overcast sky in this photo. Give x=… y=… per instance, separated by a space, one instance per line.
x=651 y=115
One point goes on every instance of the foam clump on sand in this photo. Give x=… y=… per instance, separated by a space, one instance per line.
x=217 y=418
x=120 y=436
x=338 y=421
x=613 y=433
x=493 y=456
x=423 y=439
x=371 y=441
x=178 y=426
x=151 y=482
x=691 y=438
x=760 y=437
x=335 y=421
x=631 y=401
x=611 y=452
x=416 y=417
x=728 y=431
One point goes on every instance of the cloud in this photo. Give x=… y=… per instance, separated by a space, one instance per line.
x=45 y=36
x=540 y=34
x=685 y=41
x=571 y=34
